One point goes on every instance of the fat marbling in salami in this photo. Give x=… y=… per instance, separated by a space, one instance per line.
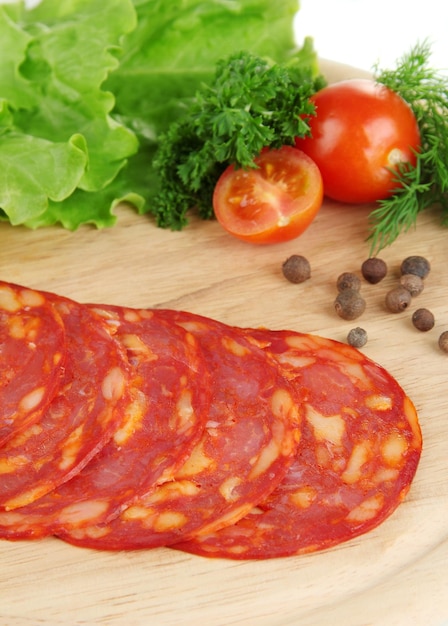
x=360 y=447
x=163 y=420
x=252 y=430
x=32 y=352
x=81 y=417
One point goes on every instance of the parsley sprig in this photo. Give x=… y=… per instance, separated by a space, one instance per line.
x=426 y=184
x=251 y=103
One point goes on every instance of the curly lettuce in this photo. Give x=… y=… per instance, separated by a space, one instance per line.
x=57 y=134
x=87 y=87
x=175 y=47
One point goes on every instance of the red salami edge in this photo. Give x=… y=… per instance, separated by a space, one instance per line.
x=360 y=448
x=252 y=430
x=32 y=356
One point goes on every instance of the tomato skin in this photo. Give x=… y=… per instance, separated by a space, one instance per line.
x=361 y=128
x=272 y=203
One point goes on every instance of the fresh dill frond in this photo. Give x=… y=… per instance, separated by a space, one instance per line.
x=399 y=212
x=425 y=184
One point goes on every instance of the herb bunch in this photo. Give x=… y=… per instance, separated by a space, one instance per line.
x=251 y=104
x=425 y=184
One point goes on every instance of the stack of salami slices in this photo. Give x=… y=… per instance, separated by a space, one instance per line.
x=124 y=429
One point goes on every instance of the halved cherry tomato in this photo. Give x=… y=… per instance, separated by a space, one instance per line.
x=274 y=202
x=361 y=129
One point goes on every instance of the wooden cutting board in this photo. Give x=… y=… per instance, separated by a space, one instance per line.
x=397 y=574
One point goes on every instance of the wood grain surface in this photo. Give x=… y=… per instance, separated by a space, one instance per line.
x=397 y=574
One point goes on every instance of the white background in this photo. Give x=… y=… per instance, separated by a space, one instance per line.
x=363 y=32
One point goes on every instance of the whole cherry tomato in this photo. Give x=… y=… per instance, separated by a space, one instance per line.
x=360 y=132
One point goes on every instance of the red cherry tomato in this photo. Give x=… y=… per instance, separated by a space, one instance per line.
x=274 y=202
x=361 y=129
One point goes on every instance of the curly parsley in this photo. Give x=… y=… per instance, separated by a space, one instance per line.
x=251 y=103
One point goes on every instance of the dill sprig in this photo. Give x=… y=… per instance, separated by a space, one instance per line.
x=425 y=184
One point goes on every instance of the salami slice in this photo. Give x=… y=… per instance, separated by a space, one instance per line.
x=164 y=419
x=245 y=450
x=359 y=452
x=32 y=352
x=80 y=419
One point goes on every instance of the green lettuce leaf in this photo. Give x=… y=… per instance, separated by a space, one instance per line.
x=59 y=134
x=34 y=170
x=87 y=87
x=67 y=63
x=98 y=209
x=176 y=45
x=14 y=88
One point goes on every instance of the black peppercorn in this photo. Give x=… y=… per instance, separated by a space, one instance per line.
x=347 y=280
x=349 y=304
x=443 y=341
x=296 y=269
x=398 y=299
x=357 y=337
x=374 y=270
x=413 y=283
x=416 y=265
x=423 y=320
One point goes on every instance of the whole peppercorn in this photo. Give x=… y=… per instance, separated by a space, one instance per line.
x=398 y=299
x=423 y=320
x=347 y=280
x=374 y=270
x=416 y=265
x=357 y=337
x=443 y=341
x=296 y=269
x=413 y=283
x=349 y=304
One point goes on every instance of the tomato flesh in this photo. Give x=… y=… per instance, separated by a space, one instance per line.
x=274 y=202
x=361 y=129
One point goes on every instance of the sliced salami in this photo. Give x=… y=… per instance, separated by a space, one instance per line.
x=165 y=417
x=359 y=452
x=80 y=419
x=32 y=352
x=246 y=448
